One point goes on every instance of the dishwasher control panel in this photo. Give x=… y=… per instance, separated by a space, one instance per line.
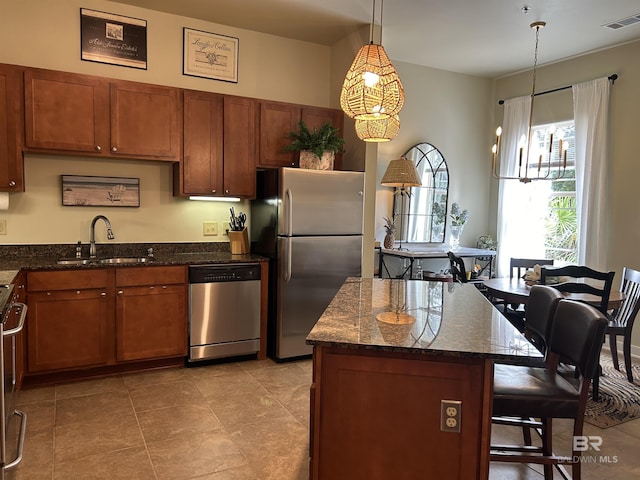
x=234 y=272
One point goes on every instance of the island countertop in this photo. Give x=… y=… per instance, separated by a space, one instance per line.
x=450 y=319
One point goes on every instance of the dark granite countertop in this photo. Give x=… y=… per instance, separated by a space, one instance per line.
x=14 y=258
x=450 y=319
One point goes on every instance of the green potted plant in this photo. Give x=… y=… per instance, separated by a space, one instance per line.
x=318 y=147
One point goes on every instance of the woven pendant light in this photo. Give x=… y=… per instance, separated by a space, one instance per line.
x=378 y=130
x=372 y=88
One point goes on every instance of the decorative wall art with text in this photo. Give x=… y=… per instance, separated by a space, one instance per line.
x=109 y=38
x=210 y=55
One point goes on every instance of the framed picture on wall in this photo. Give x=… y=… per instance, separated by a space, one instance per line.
x=89 y=191
x=114 y=39
x=210 y=55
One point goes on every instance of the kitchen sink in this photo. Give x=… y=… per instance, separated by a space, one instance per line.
x=123 y=260
x=101 y=261
x=74 y=261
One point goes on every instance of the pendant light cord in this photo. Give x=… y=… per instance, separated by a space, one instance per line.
x=373 y=19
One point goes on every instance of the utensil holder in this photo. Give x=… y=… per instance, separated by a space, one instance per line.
x=239 y=241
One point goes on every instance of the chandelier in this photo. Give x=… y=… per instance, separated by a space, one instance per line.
x=538 y=164
x=372 y=89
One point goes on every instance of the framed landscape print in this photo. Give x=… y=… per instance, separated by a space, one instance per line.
x=210 y=55
x=109 y=38
x=86 y=191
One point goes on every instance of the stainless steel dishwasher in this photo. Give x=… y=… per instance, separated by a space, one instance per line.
x=224 y=310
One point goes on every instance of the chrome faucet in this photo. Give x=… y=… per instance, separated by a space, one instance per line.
x=92 y=242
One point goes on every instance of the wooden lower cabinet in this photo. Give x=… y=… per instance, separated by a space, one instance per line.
x=377 y=414
x=67 y=329
x=79 y=319
x=151 y=319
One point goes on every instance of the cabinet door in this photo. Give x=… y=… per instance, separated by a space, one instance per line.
x=239 y=147
x=146 y=121
x=66 y=111
x=202 y=161
x=11 y=133
x=67 y=330
x=315 y=117
x=151 y=322
x=276 y=121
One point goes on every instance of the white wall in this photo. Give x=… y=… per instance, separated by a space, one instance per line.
x=453 y=112
x=45 y=34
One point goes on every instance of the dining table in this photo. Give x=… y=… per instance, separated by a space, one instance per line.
x=516 y=291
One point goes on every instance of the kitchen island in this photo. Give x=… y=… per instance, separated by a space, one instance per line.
x=403 y=379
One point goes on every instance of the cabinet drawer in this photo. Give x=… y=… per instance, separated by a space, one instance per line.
x=132 y=276
x=66 y=280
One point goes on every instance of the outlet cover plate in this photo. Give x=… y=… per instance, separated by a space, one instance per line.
x=450 y=415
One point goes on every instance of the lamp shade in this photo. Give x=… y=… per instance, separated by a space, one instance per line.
x=379 y=130
x=372 y=88
x=401 y=173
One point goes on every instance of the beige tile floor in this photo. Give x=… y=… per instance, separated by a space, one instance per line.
x=235 y=421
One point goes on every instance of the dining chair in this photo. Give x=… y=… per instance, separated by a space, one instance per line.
x=519 y=266
x=523 y=393
x=579 y=276
x=621 y=319
x=581 y=280
x=517 y=269
x=458 y=270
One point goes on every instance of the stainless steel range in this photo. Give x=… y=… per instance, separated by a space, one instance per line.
x=13 y=316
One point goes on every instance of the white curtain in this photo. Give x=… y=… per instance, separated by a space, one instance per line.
x=519 y=212
x=591 y=114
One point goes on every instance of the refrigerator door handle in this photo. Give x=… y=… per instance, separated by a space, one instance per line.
x=287 y=256
x=287 y=211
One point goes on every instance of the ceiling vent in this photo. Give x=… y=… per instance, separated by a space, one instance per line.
x=625 y=22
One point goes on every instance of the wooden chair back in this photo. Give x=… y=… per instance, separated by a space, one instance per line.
x=519 y=266
x=580 y=276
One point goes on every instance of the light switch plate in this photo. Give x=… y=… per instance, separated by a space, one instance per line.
x=209 y=228
x=450 y=415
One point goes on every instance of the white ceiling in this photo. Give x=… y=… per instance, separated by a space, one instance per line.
x=477 y=37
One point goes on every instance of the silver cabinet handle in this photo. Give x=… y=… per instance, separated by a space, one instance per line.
x=98 y=148
x=164 y=286
x=103 y=294
x=213 y=191
x=114 y=149
x=152 y=287
x=12 y=183
x=23 y=315
x=120 y=292
x=226 y=191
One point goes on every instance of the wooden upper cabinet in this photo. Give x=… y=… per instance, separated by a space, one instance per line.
x=91 y=115
x=11 y=132
x=315 y=117
x=66 y=111
x=145 y=121
x=239 y=142
x=202 y=162
x=276 y=121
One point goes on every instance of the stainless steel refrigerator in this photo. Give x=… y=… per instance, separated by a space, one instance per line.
x=309 y=223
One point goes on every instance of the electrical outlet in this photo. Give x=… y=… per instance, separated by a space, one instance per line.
x=3 y=227
x=450 y=415
x=225 y=228
x=209 y=228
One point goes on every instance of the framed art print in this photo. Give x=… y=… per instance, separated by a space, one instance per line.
x=89 y=191
x=210 y=55
x=109 y=38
